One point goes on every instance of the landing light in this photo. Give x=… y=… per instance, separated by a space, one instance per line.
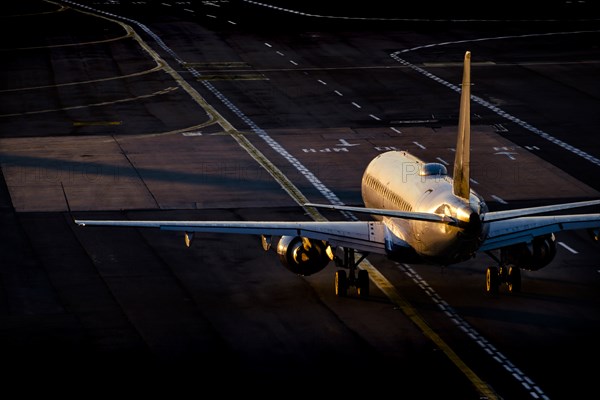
x=189 y=237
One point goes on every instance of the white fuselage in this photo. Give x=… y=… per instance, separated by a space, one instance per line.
x=397 y=180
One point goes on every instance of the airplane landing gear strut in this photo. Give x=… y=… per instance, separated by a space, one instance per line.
x=356 y=277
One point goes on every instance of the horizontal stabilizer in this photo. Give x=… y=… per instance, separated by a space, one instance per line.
x=417 y=216
x=522 y=212
x=524 y=230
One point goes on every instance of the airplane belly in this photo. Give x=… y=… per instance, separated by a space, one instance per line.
x=399 y=242
x=430 y=239
x=431 y=245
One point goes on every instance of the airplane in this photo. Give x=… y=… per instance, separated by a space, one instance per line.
x=419 y=215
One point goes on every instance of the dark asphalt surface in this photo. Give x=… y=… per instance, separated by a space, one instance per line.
x=83 y=104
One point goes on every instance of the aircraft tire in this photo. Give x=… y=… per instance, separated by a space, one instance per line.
x=341 y=283
x=363 y=283
x=514 y=279
x=492 y=280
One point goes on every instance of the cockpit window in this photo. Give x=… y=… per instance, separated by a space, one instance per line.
x=430 y=169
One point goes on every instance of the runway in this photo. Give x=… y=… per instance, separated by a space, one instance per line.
x=235 y=111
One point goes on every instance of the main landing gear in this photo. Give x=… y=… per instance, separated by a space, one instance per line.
x=355 y=277
x=508 y=274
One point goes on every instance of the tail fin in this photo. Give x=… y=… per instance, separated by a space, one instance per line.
x=461 y=186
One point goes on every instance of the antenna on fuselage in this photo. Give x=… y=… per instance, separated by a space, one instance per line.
x=461 y=186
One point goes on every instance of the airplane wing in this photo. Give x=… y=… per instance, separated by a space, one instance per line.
x=366 y=236
x=522 y=230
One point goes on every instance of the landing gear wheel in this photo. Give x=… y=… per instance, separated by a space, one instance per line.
x=514 y=279
x=341 y=283
x=362 y=286
x=492 y=280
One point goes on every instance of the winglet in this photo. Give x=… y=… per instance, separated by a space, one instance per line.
x=461 y=186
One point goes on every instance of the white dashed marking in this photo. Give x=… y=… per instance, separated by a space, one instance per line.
x=572 y=250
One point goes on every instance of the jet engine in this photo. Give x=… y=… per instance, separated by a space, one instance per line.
x=531 y=256
x=304 y=256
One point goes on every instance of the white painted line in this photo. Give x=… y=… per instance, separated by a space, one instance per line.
x=322 y=82
x=232 y=23
x=298 y=197
x=472 y=333
x=396 y=130
x=338 y=93
x=474 y=181
x=197 y=133
x=508 y=154
x=356 y=105
x=293 y=62
x=211 y=16
x=495 y=109
x=442 y=160
x=166 y=4
x=188 y=10
x=500 y=128
x=345 y=143
x=268 y=45
x=568 y=248
x=280 y=53
x=499 y=200
x=375 y=117
x=420 y=145
x=537 y=389
x=517 y=377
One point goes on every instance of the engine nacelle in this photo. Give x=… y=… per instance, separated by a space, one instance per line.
x=531 y=256
x=303 y=256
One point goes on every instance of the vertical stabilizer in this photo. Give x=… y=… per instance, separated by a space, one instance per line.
x=461 y=186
